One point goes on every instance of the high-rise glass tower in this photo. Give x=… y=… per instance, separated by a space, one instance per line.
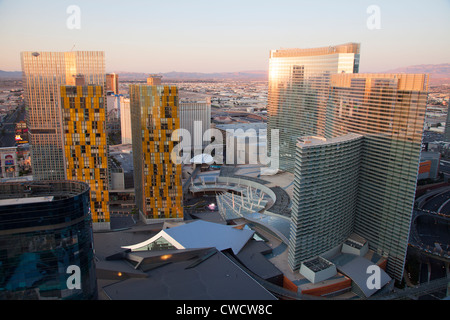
x=388 y=111
x=325 y=195
x=43 y=74
x=157 y=179
x=85 y=145
x=112 y=82
x=299 y=80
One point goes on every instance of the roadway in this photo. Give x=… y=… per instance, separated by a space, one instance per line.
x=445 y=208
x=437 y=201
x=430 y=136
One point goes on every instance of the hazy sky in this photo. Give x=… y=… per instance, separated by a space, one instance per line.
x=224 y=36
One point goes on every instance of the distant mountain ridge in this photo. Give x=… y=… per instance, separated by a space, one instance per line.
x=10 y=74
x=436 y=71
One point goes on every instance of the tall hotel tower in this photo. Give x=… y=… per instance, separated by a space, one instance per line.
x=357 y=141
x=43 y=74
x=157 y=180
x=298 y=92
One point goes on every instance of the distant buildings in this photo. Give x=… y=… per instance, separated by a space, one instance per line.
x=125 y=121
x=195 y=117
x=43 y=74
x=9 y=166
x=39 y=252
x=244 y=143
x=85 y=145
x=21 y=133
x=154 y=80
x=429 y=165
x=157 y=180
x=112 y=83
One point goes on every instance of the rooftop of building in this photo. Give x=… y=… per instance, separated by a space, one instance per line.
x=243 y=126
x=430 y=155
x=200 y=272
x=15 y=201
x=312 y=141
x=296 y=52
x=58 y=189
x=402 y=81
x=209 y=275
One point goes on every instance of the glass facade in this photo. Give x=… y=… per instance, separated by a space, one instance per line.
x=43 y=73
x=389 y=111
x=45 y=230
x=195 y=117
x=318 y=92
x=299 y=81
x=325 y=195
x=157 y=180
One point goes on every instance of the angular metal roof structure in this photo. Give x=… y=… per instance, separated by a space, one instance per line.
x=358 y=269
x=199 y=234
x=203 y=158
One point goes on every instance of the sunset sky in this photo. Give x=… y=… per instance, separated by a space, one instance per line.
x=224 y=36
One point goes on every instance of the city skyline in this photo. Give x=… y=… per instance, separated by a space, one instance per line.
x=355 y=203
x=209 y=37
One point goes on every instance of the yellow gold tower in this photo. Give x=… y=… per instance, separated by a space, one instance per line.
x=85 y=145
x=157 y=180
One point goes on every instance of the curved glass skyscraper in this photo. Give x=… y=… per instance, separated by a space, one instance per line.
x=325 y=195
x=389 y=111
x=45 y=233
x=318 y=92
